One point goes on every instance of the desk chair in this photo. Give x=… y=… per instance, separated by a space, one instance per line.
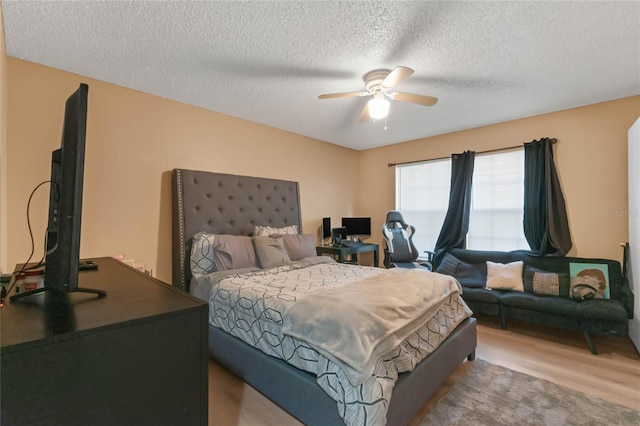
x=400 y=251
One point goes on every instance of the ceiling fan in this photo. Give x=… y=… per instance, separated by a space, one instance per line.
x=378 y=84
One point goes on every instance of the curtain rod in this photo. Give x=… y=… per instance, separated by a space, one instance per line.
x=553 y=141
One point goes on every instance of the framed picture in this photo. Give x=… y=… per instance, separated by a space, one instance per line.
x=589 y=281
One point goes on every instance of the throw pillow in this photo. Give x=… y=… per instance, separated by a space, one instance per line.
x=201 y=261
x=265 y=231
x=543 y=282
x=505 y=276
x=448 y=265
x=298 y=246
x=270 y=252
x=233 y=252
x=589 y=280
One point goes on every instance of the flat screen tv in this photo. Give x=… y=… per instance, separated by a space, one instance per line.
x=65 y=201
x=357 y=226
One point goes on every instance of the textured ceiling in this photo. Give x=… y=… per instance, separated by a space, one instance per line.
x=267 y=62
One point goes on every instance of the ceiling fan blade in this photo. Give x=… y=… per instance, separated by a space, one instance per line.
x=343 y=95
x=413 y=98
x=364 y=115
x=395 y=77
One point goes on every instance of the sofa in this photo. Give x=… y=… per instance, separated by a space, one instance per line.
x=554 y=291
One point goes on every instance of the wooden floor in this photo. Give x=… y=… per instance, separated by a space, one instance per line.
x=556 y=355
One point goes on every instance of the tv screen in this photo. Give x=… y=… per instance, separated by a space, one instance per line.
x=65 y=199
x=358 y=226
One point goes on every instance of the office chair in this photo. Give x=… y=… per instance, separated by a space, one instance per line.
x=400 y=251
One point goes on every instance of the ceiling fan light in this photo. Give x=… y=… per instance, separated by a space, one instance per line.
x=378 y=108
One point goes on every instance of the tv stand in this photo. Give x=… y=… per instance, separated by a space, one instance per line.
x=100 y=293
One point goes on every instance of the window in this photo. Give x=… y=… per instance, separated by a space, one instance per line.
x=422 y=195
x=497 y=202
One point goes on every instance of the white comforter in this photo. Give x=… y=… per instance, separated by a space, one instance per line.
x=251 y=306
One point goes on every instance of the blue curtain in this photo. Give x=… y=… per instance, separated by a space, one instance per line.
x=545 y=223
x=456 y=222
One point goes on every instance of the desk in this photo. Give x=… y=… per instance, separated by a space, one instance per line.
x=135 y=357
x=353 y=251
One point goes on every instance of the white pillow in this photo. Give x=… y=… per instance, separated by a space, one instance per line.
x=265 y=231
x=202 y=254
x=502 y=276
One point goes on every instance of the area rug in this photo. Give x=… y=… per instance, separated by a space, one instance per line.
x=492 y=395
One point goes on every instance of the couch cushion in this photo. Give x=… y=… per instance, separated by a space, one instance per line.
x=602 y=309
x=484 y=295
x=532 y=302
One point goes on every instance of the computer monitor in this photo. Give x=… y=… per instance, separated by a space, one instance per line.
x=357 y=227
x=326 y=227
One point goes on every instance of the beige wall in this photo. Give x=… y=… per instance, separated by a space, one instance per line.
x=591 y=159
x=3 y=150
x=133 y=141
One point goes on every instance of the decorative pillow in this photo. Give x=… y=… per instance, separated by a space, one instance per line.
x=589 y=280
x=448 y=265
x=270 y=252
x=202 y=254
x=542 y=282
x=298 y=246
x=233 y=252
x=265 y=231
x=505 y=276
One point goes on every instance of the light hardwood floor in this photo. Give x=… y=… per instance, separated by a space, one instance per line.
x=556 y=355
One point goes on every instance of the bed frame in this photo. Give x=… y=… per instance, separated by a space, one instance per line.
x=230 y=204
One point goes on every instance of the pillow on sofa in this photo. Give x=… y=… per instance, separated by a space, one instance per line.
x=201 y=261
x=472 y=275
x=538 y=281
x=501 y=276
x=233 y=252
x=448 y=265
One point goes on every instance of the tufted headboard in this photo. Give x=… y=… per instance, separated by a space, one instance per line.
x=225 y=204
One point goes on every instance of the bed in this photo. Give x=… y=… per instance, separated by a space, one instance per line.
x=225 y=204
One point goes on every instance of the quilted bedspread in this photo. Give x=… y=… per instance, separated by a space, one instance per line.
x=250 y=306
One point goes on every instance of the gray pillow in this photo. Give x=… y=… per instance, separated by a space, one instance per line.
x=201 y=261
x=233 y=252
x=448 y=265
x=298 y=246
x=270 y=252
x=468 y=274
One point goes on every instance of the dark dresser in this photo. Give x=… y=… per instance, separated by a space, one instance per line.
x=135 y=357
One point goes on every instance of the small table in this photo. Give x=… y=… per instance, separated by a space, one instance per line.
x=352 y=251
